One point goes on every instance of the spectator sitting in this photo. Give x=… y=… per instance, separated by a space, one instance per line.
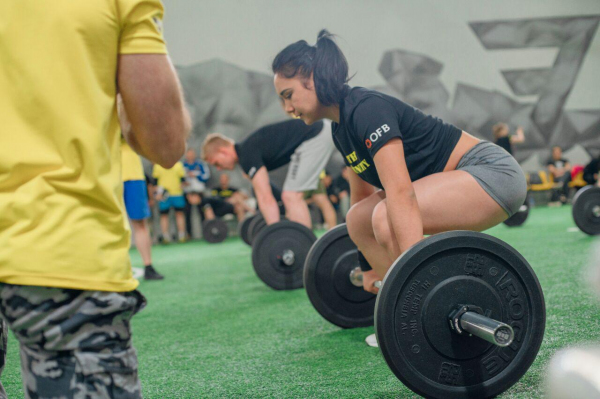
x=231 y=196
x=560 y=169
x=169 y=193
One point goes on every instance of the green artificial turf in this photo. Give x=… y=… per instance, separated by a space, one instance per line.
x=212 y=329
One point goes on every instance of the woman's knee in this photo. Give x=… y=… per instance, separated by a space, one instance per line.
x=381 y=227
x=358 y=221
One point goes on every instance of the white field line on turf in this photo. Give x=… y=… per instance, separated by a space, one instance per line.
x=138 y=272
x=573 y=229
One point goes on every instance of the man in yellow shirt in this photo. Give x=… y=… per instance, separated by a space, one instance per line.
x=170 y=196
x=66 y=285
x=135 y=194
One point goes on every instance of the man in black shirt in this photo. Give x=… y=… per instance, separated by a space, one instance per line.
x=306 y=148
x=560 y=169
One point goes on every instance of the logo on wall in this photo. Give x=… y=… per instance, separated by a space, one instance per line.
x=414 y=78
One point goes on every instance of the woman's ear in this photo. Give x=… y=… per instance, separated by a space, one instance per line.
x=309 y=83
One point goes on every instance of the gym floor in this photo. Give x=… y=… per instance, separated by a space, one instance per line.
x=213 y=329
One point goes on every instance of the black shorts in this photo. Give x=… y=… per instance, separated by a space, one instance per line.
x=219 y=206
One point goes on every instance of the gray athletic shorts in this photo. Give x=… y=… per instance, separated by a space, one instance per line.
x=309 y=160
x=498 y=173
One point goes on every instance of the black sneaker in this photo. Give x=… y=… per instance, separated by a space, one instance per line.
x=151 y=274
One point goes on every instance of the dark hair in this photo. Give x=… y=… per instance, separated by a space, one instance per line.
x=324 y=60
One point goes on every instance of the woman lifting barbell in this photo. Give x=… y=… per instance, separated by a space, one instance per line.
x=413 y=173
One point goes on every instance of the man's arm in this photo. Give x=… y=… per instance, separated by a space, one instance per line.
x=552 y=169
x=519 y=137
x=264 y=196
x=153 y=101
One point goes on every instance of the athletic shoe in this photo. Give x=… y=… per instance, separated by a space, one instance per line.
x=151 y=274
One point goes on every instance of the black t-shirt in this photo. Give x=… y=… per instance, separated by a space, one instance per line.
x=338 y=185
x=223 y=192
x=558 y=163
x=504 y=142
x=272 y=146
x=369 y=119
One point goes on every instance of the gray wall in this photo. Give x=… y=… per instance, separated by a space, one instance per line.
x=533 y=63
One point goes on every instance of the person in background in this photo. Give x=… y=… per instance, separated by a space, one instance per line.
x=338 y=191
x=231 y=195
x=197 y=174
x=67 y=290
x=560 y=168
x=504 y=139
x=306 y=149
x=320 y=199
x=591 y=171
x=169 y=193
x=333 y=198
x=135 y=196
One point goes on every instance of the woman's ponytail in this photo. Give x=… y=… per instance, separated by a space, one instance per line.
x=325 y=61
x=330 y=72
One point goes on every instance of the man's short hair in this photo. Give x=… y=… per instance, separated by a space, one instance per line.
x=214 y=141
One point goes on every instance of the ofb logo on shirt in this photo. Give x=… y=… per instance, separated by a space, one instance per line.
x=373 y=137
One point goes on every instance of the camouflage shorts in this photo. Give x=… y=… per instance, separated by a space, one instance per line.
x=74 y=344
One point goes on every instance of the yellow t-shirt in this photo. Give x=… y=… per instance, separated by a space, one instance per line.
x=131 y=164
x=62 y=218
x=170 y=179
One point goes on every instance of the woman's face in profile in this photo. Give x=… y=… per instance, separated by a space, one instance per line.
x=298 y=97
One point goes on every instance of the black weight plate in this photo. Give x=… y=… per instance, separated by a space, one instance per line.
x=269 y=251
x=327 y=281
x=256 y=225
x=214 y=231
x=426 y=283
x=586 y=210
x=521 y=216
x=243 y=229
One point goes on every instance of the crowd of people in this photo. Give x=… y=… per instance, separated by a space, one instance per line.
x=184 y=189
x=184 y=186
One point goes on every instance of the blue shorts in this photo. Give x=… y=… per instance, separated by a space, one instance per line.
x=136 y=199
x=174 y=201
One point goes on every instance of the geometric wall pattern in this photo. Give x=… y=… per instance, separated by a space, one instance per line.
x=414 y=78
x=226 y=98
